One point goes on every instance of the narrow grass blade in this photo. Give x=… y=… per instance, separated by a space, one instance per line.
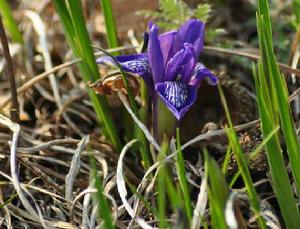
x=281 y=93
x=112 y=41
x=103 y=206
x=268 y=72
x=70 y=13
x=279 y=175
x=111 y=31
x=9 y=22
x=161 y=187
x=182 y=178
x=255 y=152
x=139 y=134
x=242 y=163
x=217 y=191
x=296 y=9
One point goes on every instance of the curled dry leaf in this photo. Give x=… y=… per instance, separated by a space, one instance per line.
x=114 y=83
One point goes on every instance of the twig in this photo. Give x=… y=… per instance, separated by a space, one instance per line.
x=14 y=110
x=43 y=75
x=47 y=145
x=283 y=67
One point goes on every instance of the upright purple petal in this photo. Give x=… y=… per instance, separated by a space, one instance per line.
x=193 y=32
x=200 y=73
x=181 y=66
x=155 y=54
x=188 y=64
x=173 y=66
x=166 y=43
x=178 y=96
x=176 y=45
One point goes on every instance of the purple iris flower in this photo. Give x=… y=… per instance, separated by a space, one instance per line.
x=170 y=66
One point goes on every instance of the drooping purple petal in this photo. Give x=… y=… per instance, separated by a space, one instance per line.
x=193 y=32
x=200 y=73
x=107 y=60
x=181 y=66
x=177 y=96
x=166 y=44
x=155 y=54
x=136 y=64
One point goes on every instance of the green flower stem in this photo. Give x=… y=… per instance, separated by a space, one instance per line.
x=164 y=122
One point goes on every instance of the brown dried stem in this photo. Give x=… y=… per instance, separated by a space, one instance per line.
x=14 y=110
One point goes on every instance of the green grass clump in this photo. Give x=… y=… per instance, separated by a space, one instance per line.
x=242 y=164
x=71 y=17
x=275 y=110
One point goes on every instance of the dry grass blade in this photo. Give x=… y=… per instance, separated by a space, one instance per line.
x=47 y=145
x=45 y=74
x=200 y=205
x=120 y=179
x=74 y=169
x=270 y=216
x=148 y=135
x=40 y=29
x=215 y=133
x=85 y=217
x=15 y=128
x=122 y=187
x=229 y=212
x=283 y=67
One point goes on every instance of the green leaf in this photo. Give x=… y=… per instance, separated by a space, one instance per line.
x=182 y=178
x=242 y=163
x=296 y=9
x=71 y=17
x=10 y=23
x=161 y=187
x=104 y=209
x=217 y=191
x=202 y=12
x=110 y=25
x=270 y=82
x=279 y=175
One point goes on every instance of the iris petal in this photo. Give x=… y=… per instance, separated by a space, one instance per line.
x=200 y=73
x=193 y=32
x=166 y=44
x=155 y=54
x=188 y=64
x=173 y=66
x=107 y=60
x=178 y=96
x=181 y=66
x=135 y=64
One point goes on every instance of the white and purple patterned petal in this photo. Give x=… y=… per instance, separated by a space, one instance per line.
x=177 y=96
x=136 y=64
x=200 y=73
